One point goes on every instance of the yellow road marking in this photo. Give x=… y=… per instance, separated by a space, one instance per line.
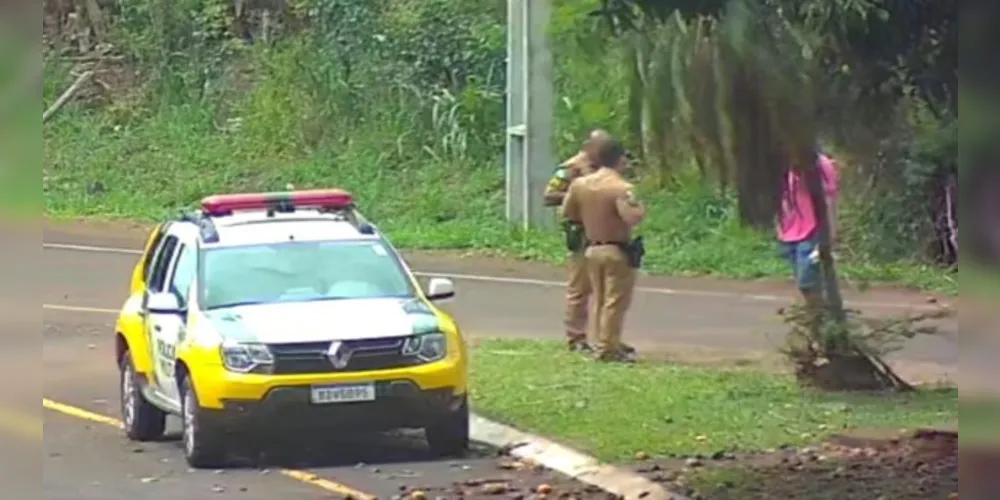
x=298 y=475
x=21 y=424
x=80 y=413
x=326 y=484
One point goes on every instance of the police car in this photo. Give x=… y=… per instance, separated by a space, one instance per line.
x=285 y=311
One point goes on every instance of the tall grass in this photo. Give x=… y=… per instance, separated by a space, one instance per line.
x=410 y=120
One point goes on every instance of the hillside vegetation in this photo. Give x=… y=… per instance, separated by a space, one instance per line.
x=402 y=102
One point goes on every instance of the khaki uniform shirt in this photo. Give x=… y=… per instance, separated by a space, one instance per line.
x=570 y=170
x=602 y=202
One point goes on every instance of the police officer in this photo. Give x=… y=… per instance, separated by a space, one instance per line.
x=606 y=205
x=577 y=283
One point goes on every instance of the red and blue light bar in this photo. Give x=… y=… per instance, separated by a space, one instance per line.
x=323 y=199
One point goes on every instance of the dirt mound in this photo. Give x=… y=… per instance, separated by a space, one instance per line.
x=917 y=466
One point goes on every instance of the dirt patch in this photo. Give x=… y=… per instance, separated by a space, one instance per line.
x=920 y=465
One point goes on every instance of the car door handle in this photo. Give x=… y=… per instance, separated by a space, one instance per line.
x=157 y=328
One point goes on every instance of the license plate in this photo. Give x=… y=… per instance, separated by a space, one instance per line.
x=348 y=393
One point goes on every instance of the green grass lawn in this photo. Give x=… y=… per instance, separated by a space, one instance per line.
x=615 y=411
x=169 y=162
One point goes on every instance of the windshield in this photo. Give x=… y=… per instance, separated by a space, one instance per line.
x=300 y=272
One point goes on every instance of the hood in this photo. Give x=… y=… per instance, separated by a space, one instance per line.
x=320 y=321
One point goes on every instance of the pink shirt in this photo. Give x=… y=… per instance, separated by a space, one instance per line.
x=798 y=218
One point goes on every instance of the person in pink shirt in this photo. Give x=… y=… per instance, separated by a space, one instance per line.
x=798 y=228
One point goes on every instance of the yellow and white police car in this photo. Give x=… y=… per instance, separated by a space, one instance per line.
x=285 y=311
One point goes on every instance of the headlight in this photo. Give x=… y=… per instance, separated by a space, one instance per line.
x=428 y=347
x=247 y=358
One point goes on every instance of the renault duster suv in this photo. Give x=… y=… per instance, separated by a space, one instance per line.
x=285 y=311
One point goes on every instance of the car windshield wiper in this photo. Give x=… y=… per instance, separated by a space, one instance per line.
x=341 y=297
x=236 y=304
x=322 y=299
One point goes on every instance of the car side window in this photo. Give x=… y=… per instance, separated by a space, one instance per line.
x=161 y=264
x=184 y=272
x=155 y=248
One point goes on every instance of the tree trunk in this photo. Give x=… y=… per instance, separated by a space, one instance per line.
x=644 y=58
x=635 y=96
x=831 y=286
x=98 y=23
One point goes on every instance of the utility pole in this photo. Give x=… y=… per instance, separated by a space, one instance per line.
x=530 y=121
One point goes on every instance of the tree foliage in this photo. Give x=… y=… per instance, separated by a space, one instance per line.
x=425 y=79
x=890 y=47
x=786 y=73
x=882 y=84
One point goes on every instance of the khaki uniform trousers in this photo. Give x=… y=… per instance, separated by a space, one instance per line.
x=578 y=293
x=613 y=283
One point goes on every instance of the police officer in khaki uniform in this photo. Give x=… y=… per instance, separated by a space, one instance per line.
x=605 y=204
x=577 y=283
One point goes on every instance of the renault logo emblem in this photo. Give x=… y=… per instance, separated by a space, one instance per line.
x=338 y=357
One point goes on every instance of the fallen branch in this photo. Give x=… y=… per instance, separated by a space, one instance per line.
x=66 y=96
x=92 y=58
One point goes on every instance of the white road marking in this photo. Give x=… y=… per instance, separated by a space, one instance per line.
x=545 y=283
x=83 y=309
x=88 y=248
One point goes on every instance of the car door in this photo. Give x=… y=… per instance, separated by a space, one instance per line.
x=170 y=330
x=142 y=269
x=161 y=329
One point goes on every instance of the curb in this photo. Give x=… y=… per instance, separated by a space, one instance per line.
x=624 y=483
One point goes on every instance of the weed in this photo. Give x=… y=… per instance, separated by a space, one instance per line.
x=850 y=354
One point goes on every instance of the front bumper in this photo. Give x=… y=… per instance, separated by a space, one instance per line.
x=408 y=397
x=398 y=404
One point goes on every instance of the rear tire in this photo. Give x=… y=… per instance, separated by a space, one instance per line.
x=141 y=420
x=449 y=437
x=204 y=446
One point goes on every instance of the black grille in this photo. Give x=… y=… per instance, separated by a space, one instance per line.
x=365 y=355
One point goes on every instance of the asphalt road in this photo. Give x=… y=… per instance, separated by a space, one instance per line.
x=517 y=299
x=82 y=281
x=83 y=454
x=87 y=457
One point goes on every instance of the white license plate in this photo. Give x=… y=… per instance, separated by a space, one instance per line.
x=347 y=393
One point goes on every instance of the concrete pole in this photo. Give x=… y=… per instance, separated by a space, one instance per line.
x=516 y=126
x=530 y=113
x=541 y=119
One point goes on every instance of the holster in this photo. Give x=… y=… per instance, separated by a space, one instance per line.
x=635 y=251
x=576 y=241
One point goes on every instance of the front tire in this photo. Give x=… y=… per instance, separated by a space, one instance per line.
x=203 y=446
x=449 y=437
x=141 y=420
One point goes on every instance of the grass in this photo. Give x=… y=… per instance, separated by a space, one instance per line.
x=18 y=198
x=980 y=280
x=429 y=171
x=19 y=138
x=171 y=158
x=616 y=411
x=980 y=422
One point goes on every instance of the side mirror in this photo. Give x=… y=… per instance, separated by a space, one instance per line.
x=164 y=303
x=440 y=289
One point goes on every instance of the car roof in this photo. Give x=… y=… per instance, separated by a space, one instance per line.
x=258 y=227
